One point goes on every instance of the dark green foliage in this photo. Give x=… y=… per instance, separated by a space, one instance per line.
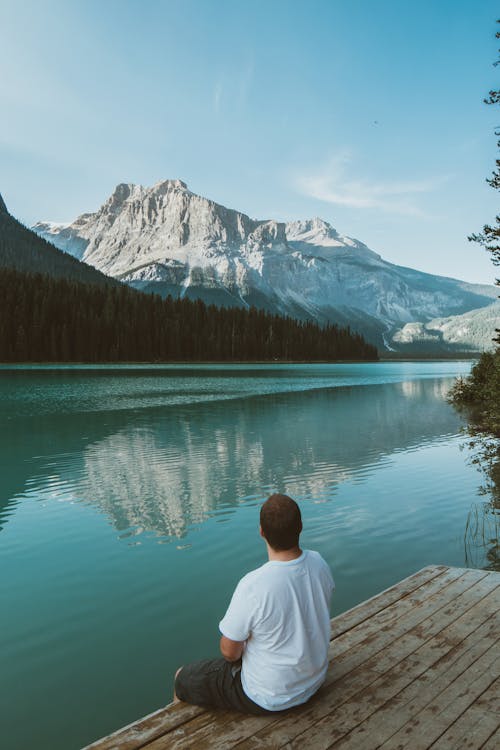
x=49 y=319
x=24 y=250
x=480 y=393
x=489 y=238
x=479 y=396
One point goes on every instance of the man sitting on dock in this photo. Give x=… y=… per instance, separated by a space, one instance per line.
x=276 y=631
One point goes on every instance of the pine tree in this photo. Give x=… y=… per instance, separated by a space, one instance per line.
x=489 y=238
x=481 y=391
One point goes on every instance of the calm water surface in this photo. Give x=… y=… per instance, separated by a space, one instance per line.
x=129 y=502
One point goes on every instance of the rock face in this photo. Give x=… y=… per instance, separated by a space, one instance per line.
x=169 y=240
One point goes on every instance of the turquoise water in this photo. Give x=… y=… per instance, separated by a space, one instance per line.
x=129 y=502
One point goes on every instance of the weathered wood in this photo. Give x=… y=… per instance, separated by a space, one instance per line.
x=431 y=723
x=493 y=743
x=430 y=669
x=363 y=611
x=435 y=595
x=419 y=732
x=415 y=667
x=471 y=730
x=334 y=708
x=390 y=715
x=137 y=734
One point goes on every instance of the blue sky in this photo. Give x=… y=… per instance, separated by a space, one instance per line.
x=367 y=113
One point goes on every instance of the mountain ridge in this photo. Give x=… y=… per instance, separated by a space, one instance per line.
x=168 y=239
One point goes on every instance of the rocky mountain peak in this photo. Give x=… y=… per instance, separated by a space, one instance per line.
x=311 y=230
x=163 y=186
x=310 y=235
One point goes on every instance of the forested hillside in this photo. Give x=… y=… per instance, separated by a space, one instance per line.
x=51 y=319
x=22 y=249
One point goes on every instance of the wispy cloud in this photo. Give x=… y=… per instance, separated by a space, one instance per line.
x=233 y=88
x=217 y=96
x=334 y=183
x=245 y=80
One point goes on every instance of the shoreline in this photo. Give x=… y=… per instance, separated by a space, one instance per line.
x=186 y=363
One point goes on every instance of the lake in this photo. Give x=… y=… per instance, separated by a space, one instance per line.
x=129 y=500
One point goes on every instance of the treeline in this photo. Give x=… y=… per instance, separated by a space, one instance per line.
x=57 y=320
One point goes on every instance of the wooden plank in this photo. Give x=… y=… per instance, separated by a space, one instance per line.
x=137 y=734
x=493 y=743
x=490 y=700
x=321 y=715
x=330 y=731
x=404 y=624
x=393 y=709
x=439 y=591
x=225 y=730
x=454 y=622
x=381 y=703
x=433 y=720
x=284 y=732
x=197 y=733
x=472 y=729
x=366 y=609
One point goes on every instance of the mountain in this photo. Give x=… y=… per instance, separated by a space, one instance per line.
x=24 y=250
x=472 y=331
x=169 y=240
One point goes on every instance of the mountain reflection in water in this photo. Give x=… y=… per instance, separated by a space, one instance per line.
x=163 y=469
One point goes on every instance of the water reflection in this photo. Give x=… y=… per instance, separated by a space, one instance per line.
x=482 y=537
x=164 y=469
x=482 y=531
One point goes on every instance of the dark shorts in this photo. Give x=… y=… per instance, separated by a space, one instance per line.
x=216 y=683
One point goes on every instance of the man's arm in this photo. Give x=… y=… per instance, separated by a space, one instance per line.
x=231 y=650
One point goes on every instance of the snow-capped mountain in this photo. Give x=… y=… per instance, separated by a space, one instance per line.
x=167 y=239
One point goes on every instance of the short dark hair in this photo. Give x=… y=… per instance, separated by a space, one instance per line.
x=281 y=522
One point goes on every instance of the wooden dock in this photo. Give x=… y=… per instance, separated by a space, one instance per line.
x=417 y=666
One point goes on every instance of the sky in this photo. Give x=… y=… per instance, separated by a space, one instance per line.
x=367 y=113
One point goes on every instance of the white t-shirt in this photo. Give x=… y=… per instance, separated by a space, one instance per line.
x=283 y=609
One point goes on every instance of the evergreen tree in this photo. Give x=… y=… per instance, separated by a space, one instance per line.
x=489 y=238
x=481 y=391
x=43 y=318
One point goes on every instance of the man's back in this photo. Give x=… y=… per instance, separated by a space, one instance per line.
x=278 y=624
x=283 y=609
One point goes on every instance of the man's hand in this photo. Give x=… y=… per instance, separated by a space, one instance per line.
x=231 y=650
